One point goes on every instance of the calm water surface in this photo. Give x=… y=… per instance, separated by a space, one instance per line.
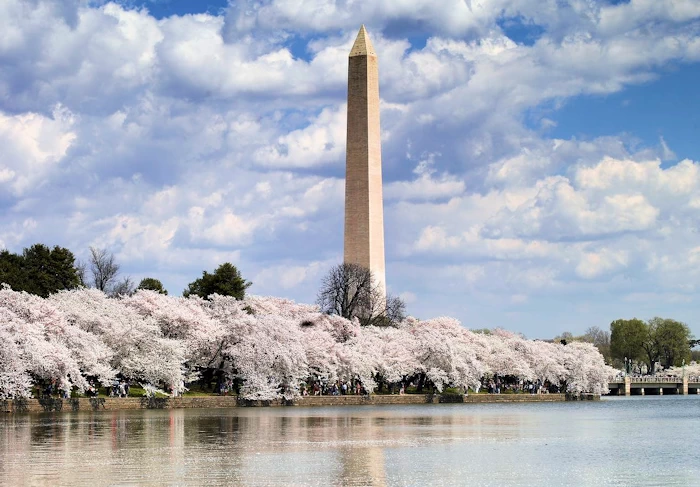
x=620 y=441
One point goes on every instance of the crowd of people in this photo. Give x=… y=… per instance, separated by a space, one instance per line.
x=491 y=385
x=333 y=388
x=513 y=385
x=119 y=388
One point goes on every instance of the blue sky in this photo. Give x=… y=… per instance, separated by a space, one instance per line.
x=667 y=106
x=540 y=158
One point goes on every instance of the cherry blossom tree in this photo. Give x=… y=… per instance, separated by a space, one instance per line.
x=445 y=353
x=323 y=352
x=263 y=349
x=41 y=343
x=546 y=361
x=360 y=359
x=139 y=349
x=586 y=369
x=183 y=319
x=690 y=370
x=268 y=346
x=509 y=355
x=15 y=380
x=398 y=351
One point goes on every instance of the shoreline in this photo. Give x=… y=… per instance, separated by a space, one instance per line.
x=19 y=406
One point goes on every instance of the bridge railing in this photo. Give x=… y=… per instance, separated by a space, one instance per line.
x=651 y=379
x=656 y=379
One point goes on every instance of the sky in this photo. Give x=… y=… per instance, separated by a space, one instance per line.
x=540 y=157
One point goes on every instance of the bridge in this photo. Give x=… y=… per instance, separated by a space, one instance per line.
x=654 y=385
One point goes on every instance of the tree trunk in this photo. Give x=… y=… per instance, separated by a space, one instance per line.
x=421 y=382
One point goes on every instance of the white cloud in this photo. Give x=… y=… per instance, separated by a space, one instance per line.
x=427 y=185
x=616 y=19
x=188 y=141
x=666 y=153
x=320 y=142
x=287 y=277
x=454 y=16
x=6 y=175
x=88 y=60
x=436 y=238
x=226 y=229
x=31 y=145
x=610 y=197
x=593 y=264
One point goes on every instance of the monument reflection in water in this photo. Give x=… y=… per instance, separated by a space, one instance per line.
x=626 y=441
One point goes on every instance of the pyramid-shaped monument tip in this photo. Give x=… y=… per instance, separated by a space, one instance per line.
x=362 y=46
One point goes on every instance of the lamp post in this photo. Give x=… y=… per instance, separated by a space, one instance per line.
x=683 y=368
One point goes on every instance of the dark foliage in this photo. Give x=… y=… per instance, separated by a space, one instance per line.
x=152 y=284
x=226 y=281
x=39 y=270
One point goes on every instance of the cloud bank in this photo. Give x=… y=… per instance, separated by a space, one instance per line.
x=186 y=141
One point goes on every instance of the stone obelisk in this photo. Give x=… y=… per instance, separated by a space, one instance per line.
x=364 y=212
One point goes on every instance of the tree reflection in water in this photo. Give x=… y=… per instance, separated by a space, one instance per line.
x=353 y=446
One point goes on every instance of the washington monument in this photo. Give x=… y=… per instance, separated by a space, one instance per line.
x=364 y=213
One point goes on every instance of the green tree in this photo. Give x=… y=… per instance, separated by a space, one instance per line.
x=650 y=347
x=152 y=284
x=12 y=270
x=660 y=340
x=672 y=340
x=695 y=355
x=226 y=280
x=40 y=270
x=627 y=338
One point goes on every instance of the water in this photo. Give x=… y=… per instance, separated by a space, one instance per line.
x=617 y=441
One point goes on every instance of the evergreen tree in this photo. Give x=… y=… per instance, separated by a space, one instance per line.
x=226 y=281
x=152 y=284
x=11 y=270
x=39 y=270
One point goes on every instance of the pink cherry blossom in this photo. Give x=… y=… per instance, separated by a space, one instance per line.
x=268 y=345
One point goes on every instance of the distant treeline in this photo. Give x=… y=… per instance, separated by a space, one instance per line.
x=42 y=271
x=638 y=346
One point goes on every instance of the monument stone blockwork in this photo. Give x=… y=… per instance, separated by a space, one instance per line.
x=364 y=212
